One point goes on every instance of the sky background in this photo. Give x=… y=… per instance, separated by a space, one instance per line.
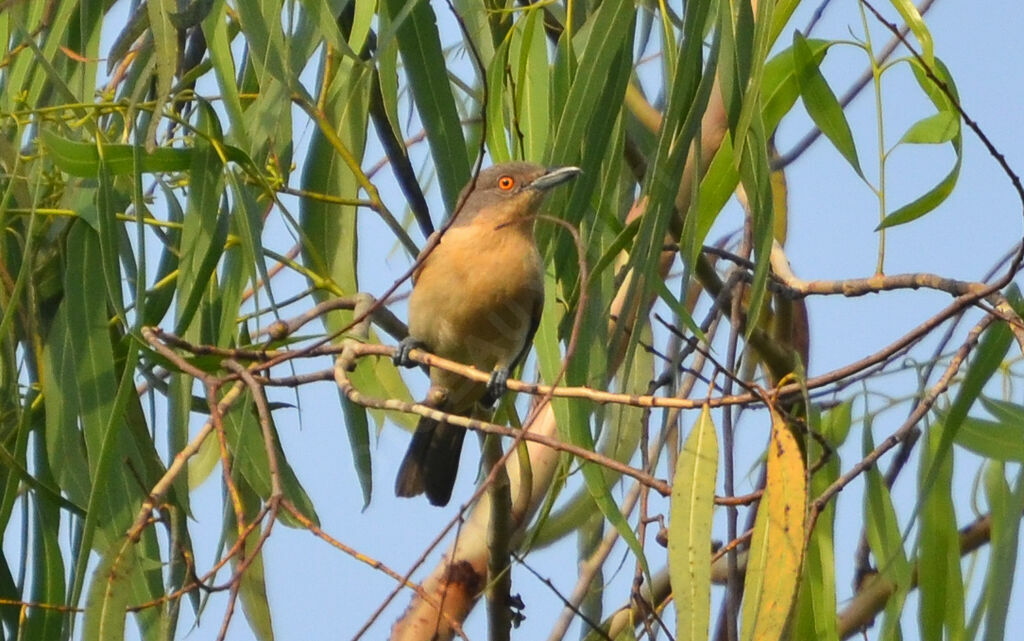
x=317 y=592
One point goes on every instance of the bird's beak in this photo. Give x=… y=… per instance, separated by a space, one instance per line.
x=555 y=176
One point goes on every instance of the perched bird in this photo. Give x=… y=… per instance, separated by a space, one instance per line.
x=476 y=299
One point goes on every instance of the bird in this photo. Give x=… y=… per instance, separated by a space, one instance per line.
x=477 y=299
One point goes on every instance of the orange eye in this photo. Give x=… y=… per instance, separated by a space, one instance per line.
x=506 y=183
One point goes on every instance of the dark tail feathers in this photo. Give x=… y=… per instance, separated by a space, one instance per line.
x=431 y=462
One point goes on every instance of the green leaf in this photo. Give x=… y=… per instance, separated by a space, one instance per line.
x=83 y=159
x=245 y=265
x=780 y=87
x=689 y=529
x=215 y=30
x=204 y=234
x=609 y=27
x=886 y=541
x=716 y=188
x=245 y=439
x=988 y=356
x=1005 y=507
x=497 y=144
x=330 y=244
x=937 y=194
x=165 y=40
x=533 y=107
x=420 y=45
x=108 y=203
x=9 y=592
x=358 y=430
x=110 y=595
x=253 y=587
x=924 y=204
x=816 y=602
x=940 y=583
x=755 y=174
x=47 y=563
x=912 y=17
x=65 y=448
x=783 y=11
x=935 y=129
x=822 y=105
x=992 y=439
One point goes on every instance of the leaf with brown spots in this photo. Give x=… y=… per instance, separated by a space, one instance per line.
x=777 y=545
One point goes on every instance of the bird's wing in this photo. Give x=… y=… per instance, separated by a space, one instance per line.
x=538 y=309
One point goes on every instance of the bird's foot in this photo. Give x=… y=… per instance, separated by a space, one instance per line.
x=401 y=357
x=496 y=387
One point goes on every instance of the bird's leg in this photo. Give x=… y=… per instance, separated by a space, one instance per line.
x=496 y=387
x=406 y=345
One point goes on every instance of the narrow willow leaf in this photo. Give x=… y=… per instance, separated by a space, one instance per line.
x=609 y=27
x=358 y=430
x=912 y=17
x=940 y=582
x=533 y=109
x=688 y=100
x=933 y=130
x=265 y=38
x=497 y=144
x=777 y=545
x=205 y=225
x=814 y=617
x=215 y=30
x=203 y=463
x=779 y=87
x=926 y=203
x=65 y=448
x=253 y=588
x=110 y=594
x=886 y=541
x=755 y=176
x=1005 y=412
x=325 y=21
x=736 y=62
x=783 y=10
x=10 y=614
x=759 y=46
x=331 y=246
x=165 y=40
x=245 y=439
x=122 y=460
x=108 y=202
x=936 y=195
x=822 y=105
x=988 y=356
x=716 y=188
x=19 y=73
x=1005 y=506
x=420 y=45
x=599 y=489
x=689 y=530
x=47 y=564
x=83 y=160
x=992 y=439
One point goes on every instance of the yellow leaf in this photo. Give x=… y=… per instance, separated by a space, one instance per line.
x=777 y=546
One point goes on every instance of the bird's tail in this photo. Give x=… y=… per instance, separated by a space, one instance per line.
x=431 y=462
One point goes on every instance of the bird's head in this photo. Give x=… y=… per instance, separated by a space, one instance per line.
x=509 y=192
